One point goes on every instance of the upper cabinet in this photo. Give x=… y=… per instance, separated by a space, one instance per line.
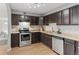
x=45 y=20
x=59 y=18
x=52 y=18
x=34 y=20
x=15 y=19
x=69 y=16
x=74 y=15
x=65 y=16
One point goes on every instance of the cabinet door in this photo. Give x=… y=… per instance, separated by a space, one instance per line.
x=69 y=48
x=46 y=39
x=14 y=40
x=37 y=21
x=65 y=16
x=35 y=37
x=43 y=38
x=74 y=15
x=49 y=40
x=53 y=18
x=45 y=21
x=59 y=18
x=34 y=20
x=15 y=19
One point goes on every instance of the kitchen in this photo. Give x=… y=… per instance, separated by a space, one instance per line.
x=44 y=29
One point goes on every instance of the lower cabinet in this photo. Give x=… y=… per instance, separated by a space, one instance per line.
x=46 y=39
x=15 y=40
x=57 y=45
x=35 y=37
x=70 y=47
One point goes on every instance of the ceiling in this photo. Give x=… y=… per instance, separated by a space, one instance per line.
x=23 y=7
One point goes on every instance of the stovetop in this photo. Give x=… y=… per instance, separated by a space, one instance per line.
x=24 y=31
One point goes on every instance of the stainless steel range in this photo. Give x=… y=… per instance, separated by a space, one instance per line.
x=25 y=35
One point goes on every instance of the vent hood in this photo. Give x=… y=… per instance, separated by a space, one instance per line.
x=24 y=18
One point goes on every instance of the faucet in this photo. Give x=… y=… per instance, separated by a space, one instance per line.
x=59 y=31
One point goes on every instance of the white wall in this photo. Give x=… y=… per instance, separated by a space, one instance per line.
x=9 y=26
x=5 y=18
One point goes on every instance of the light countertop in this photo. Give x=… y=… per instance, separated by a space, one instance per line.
x=14 y=32
x=63 y=35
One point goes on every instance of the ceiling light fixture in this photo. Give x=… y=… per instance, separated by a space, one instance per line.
x=35 y=5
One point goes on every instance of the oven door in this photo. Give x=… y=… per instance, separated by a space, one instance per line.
x=25 y=36
x=25 y=39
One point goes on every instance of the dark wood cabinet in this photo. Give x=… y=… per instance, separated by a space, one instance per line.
x=65 y=16
x=15 y=19
x=46 y=39
x=45 y=20
x=35 y=37
x=34 y=20
x=74 y=15
x=59 y=18
x=69 y=16
x=15 y=40
x=52 y=18
x=56 y=18
x=43 y=38
x=49 y=41
x=70 y=47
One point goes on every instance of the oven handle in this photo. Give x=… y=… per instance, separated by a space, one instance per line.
x=24 y=33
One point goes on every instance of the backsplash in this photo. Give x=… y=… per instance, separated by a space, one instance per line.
x=73 y=29
x=47 y=28
x=37 y=28
x=14 y=28
x=34 y=28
